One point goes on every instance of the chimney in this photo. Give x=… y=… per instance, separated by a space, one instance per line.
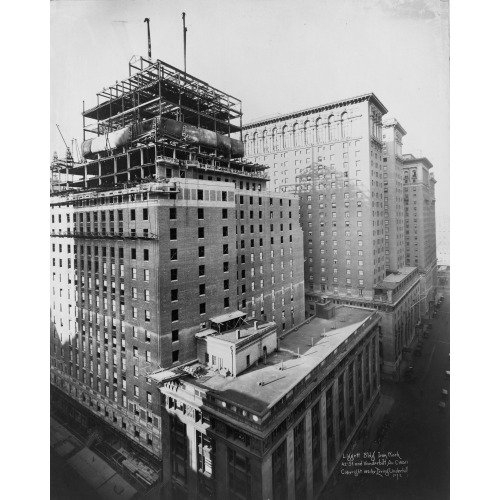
x=255 y=325
x=238 y=333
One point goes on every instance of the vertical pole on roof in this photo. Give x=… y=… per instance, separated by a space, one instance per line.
x=184 y=31
x=149 y=39
x=83 y=119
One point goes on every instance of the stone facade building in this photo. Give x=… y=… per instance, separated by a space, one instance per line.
x=420 y=224
x=349 y=179
x=332 y=157
x=278 y=429
x=394 y=240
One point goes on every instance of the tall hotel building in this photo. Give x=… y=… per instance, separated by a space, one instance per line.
x=420 y=223
x=163 y=231
x=350 y=184
x=332 y=156
x=394 y=240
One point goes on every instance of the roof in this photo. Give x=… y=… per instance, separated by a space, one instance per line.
x=226 y=317
x=393 y=122
x=393 y=280
x=164 y=375
x=280 y=117
x=246 y=331
x=409 y=159
x=205 y=333
x=245 y=391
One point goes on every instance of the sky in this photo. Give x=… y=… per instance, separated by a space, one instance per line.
x=276 y=56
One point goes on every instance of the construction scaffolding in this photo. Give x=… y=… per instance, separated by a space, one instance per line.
x=157 y=124
x=60 y=177
x=158 y=89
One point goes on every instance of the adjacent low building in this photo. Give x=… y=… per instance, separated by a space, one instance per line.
x=263 y=416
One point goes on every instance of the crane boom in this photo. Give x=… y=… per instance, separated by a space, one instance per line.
x=62 y=136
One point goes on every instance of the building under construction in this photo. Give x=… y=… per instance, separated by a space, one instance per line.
x=161 y=233
x=155 y=124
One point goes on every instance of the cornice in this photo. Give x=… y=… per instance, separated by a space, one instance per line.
x=317 y=109
x=424 y=160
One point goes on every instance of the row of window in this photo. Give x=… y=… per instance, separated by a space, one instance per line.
x=106 y=215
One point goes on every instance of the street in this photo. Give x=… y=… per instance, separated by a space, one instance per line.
x=419 y=429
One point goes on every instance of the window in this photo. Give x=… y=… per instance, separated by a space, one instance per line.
x=201 y=213
x=202 y=289
x=146 y=254
x=201 y=271
x=173 y=233
x=226 y=302
x=146 y=295
x=201 y=251
x=224 y=213
x=173 y=214
x=145 y=214
x=225 y=249
x=175 y=335
x=200 y=196
x=174 y=295
x=134 y=292
x=175 y=315
x=173 y=274
x=226 y=284
x=203 y=308
x=175 y=356
x=133 y=253
x=224 y=231
x=173 y=254
x=225 y=267
x=201 y=232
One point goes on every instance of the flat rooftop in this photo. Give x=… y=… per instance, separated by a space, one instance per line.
x=393 y=280
x=245 y=391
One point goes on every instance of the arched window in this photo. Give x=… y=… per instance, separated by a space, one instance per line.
x=265 y=144
x=330 y=128
x=307 y=132
x=255 y=143
x=284 y=137
x=295 y=135
x=274 y=136
x=343 y=125
x=319 y=131
x=246 y=144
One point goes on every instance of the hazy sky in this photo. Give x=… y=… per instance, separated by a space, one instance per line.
x=275 y=55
